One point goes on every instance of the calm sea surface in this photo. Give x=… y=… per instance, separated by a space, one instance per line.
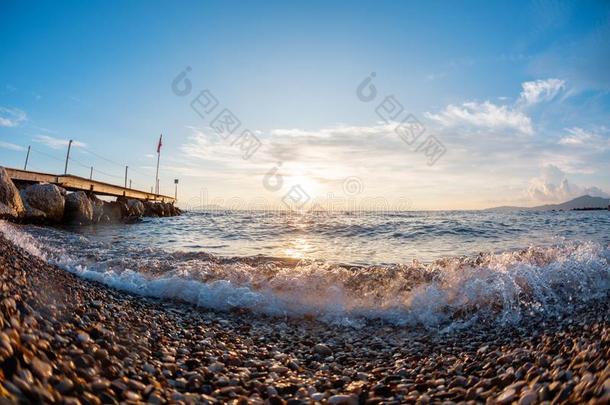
x=356 y=238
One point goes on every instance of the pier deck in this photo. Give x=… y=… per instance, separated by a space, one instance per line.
x=76 y=183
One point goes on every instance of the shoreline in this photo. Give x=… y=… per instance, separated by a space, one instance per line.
x=65 y=338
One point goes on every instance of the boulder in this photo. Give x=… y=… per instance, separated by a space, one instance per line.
x=151 y=209
x=123 y=202
x=78 y=208
x=11 y=205
x=136 y=208
x=160 y=209
x=112 y=212
x=34 y=215
x=47 y=199
x=98 y=209
x=175 y=210
x=130 y=207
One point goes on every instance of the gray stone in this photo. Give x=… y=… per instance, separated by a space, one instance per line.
x=136 y=208
x=78 y=208
x=111 y=212
x=47 y=199
x=11 y=205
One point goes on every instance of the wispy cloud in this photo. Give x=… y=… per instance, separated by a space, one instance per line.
x=56 y=143
x=484 y=115
x=501 y=116
x=11 y=146
x=538 y=91
x=579 y=137
x=11 y=117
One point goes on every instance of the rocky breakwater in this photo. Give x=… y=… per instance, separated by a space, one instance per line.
x=50 y=204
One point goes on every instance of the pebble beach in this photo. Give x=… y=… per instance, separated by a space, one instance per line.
x=68 y=340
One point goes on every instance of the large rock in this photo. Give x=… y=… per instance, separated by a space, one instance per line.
x=34 y=216
x=136 y=208
x=78 y=208
x=131 y=209
x=111 y=213
x=122 y=202
x=98 y=209
x=45 y=199
x=151 y=209
x=160 y=209
x=175 y=210
x=11 y=206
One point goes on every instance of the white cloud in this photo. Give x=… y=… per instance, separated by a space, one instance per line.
x=581 y=137
x=57 y=143
x=201 y=145
x=500 y=116
x=578 y=136
x=552 y=186
x=540 y=90
x=484 y=115
x=11 y=117
x=11 y=146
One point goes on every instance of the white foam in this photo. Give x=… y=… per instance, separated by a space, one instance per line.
x=22 y=239
x=501 y=287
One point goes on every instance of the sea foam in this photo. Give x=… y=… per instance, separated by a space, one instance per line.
x=501 y=287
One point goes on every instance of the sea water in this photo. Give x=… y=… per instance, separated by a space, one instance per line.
x=408 y=268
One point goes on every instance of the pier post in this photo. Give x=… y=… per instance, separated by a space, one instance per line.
x=91 y=174
x=126 y=167
x=27 y=157
x=68 y=156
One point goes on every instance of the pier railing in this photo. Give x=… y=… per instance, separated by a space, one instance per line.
x=77 y=183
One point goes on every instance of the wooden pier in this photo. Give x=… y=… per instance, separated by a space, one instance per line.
x=76 y=183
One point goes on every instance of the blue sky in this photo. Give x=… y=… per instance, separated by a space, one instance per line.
x=516 y=93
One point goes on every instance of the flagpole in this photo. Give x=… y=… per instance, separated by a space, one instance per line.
x=158 y=158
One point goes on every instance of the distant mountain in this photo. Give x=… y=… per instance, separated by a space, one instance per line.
x=585 y=201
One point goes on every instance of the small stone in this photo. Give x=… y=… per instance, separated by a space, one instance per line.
x=132 y=396
x=64 y=386
x=41 y=369
x=343 y=400
x=154 y=399
x=149 y=368
x=362 y=376
x=101 y=354
x=279 y=369
x=322 y=349
x=100 y=384
x=216 y=367
x=83 y=337
x=483 y=349
x=458 y=381
x=507 y=396
x=528 y=397
x=317 y=396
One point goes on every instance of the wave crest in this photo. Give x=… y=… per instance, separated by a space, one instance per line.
x=501 y=288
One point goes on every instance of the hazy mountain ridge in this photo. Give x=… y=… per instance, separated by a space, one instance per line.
x=585 y=201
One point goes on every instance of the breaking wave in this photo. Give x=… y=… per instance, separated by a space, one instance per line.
x=496 y=287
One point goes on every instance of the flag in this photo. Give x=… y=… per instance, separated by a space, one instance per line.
x=160 y=144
